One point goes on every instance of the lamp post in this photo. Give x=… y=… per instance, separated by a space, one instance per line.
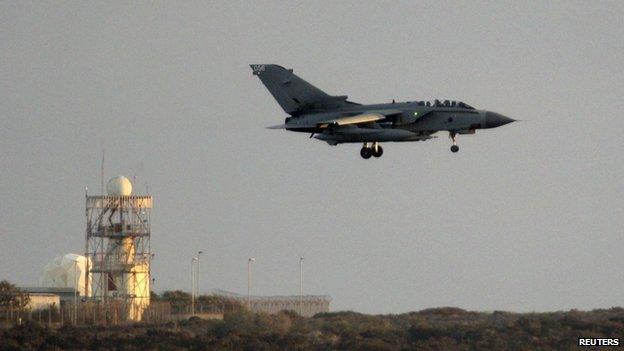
x=301 y=286
x=197 y=275
x=193 y=285
x=75 y=290
x=251 y=259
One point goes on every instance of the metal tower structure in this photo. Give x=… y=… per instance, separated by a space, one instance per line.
x=118 y=248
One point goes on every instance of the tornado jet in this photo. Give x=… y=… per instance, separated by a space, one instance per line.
x=336 y=120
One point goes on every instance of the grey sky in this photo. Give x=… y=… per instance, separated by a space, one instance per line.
x=525 y=217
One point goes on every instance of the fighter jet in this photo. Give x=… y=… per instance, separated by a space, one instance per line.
x=336 y=120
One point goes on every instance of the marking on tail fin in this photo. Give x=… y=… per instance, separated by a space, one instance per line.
x=257 y=69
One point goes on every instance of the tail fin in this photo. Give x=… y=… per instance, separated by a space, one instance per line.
x=292 y=93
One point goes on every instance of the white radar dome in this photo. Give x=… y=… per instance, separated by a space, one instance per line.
x=66 y=271
x=119 y=186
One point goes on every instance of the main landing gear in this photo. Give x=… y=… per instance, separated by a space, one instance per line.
x=374 y=150
x=454 y=148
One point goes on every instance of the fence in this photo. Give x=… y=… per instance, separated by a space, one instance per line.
x=86 y=313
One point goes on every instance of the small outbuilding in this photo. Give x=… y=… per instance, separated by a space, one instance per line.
x=43 y=301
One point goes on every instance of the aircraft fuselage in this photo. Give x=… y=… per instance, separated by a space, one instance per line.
x=414 y=122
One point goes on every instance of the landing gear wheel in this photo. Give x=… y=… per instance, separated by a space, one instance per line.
x=366 y=152
x=453 y=136
x=378 y=151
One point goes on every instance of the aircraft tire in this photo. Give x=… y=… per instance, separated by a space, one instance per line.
x=366 y=153
x=454 y=148
x=378 y=152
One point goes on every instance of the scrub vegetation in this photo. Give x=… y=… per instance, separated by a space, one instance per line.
x=445 y=328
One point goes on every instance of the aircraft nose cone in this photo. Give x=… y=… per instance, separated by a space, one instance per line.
x=493 y=120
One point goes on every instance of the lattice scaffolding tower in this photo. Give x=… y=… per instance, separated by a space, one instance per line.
x=118 y=247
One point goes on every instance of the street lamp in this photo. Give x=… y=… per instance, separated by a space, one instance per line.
x=251 y=259
x=193 y=285
x=75 y=290
x=197 y=274
x=301 y=286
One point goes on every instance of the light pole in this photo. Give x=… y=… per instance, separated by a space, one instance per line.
x=301 y=286
x=251 y=259
x=193 y=285
x=75 y=290
x=197 y=274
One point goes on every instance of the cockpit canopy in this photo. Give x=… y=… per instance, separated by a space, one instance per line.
x=445 y=103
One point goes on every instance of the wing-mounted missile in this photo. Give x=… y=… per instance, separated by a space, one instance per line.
x=278 y=126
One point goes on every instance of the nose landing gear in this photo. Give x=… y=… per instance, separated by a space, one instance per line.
x=454 y=148
x=374 y=150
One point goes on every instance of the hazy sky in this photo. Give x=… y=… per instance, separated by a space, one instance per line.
x=529 y=216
